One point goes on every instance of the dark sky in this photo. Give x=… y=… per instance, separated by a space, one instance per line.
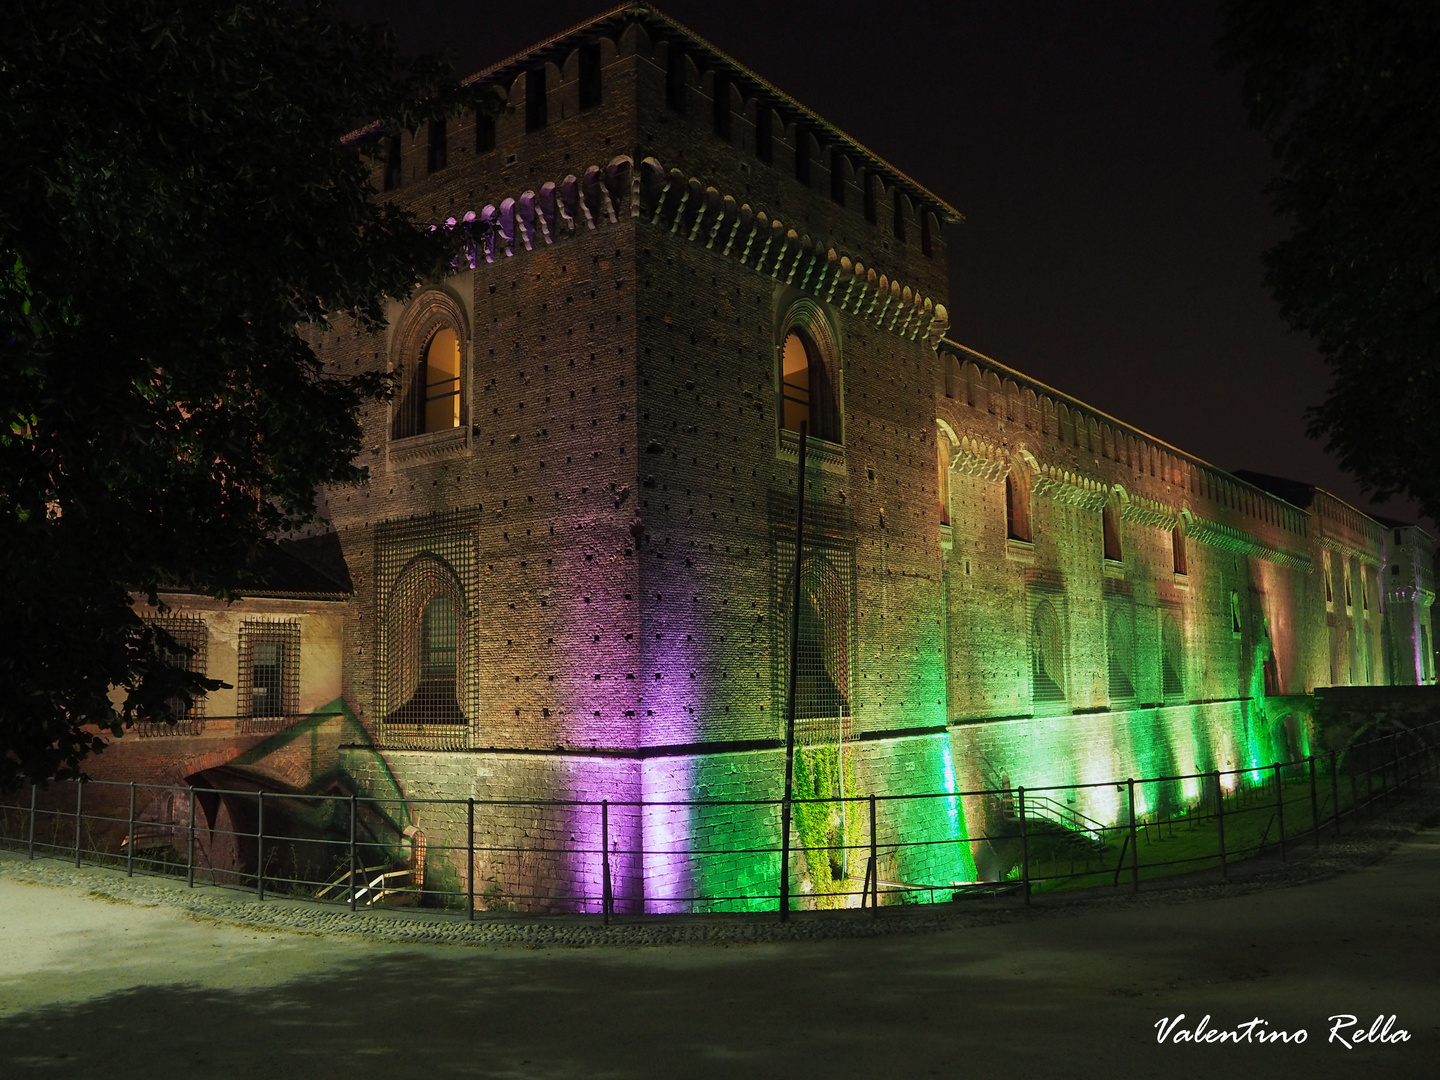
x=1112 y=192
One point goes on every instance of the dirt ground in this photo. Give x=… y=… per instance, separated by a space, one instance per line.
x=95 y=988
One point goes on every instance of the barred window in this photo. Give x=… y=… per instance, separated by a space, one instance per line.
x=269 y=682
x=822 y=656
x=191 y=639
x=426 y=644
x=1171 y=659
x=1120 y=654
x=1047 y=656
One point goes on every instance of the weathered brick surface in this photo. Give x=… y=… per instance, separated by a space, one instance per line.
x=617 y=508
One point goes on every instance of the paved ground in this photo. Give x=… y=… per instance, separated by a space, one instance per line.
x=95 y=987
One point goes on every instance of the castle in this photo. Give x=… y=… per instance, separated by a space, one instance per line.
x=569 y=575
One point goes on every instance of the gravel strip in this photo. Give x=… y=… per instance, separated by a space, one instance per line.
x=1359 y=845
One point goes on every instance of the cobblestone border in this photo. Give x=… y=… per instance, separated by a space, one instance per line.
x=1359 y=845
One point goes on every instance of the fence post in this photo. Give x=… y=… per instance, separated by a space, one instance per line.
x=190 y=847
x=1220 y=823
x=470 y=858
x=354 y=869
x=1280 y=808
x=260 y=846
x=605 y=861
x=1369 y=783
x=30 y=843
x=1314 y=803
x=130 y=835
x=1134 y=840
x=874 y=864
x=79 y=805
x=1335 y=790
x=1024 y=845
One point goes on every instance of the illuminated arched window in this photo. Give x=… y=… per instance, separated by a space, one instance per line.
x=1017 y=506
x=807 y=387
x=432 y=400
x=942 y=463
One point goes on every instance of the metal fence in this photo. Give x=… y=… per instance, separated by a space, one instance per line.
x=627 y=857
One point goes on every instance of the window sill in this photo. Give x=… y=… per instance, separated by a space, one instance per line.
x=1114 y=569
x=1020 y=551
x=432 y=444
x=1182 y=581
x=829 y=456
x=947 y=538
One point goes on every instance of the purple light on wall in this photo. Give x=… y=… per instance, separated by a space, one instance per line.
x=668 y=833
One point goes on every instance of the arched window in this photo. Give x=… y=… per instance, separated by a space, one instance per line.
x=822 y=657
x=1172 y=685
x=808 y=392
x=1017 y=506
x=1110 y=528
x=1047 y=650
x=1120 y=654
x=430 y=351
x=942 y=463
x=424 y=642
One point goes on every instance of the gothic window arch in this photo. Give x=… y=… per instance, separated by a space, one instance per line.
x=943 y=449
x=426 y=637
x=1110 y=531
x=430 y=348
x=1047 y=656
x=810 y=374
x=1120 y=653
x=1172 y=660
x=1017 y=506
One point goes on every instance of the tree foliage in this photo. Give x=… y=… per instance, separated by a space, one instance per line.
x=182 y=210
x=1348 y=93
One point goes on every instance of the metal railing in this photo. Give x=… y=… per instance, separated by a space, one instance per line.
x=636 y=857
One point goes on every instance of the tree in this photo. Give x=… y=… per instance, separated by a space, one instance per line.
x=182 y=211
x=1348 y=93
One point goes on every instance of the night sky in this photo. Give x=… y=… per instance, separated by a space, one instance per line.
x=1113 y=195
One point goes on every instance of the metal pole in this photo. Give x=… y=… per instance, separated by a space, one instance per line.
x=470 y=858
x=1314 y=803
x=190 y=846
x=1335 y=791
x=130 y=836
x=1134 y=841
x=79 y=804
x=1369 y=783
x=260 y=846
x=1025 y=844
x=874 y=865
x=1220 y=822
x=30 y=843
x=1280 y=808
x=605 y=860
x=353 y=866
x=790 y=691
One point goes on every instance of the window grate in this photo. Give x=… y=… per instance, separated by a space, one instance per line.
x=426 y=579
x=269 y=674
x=190 y=635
